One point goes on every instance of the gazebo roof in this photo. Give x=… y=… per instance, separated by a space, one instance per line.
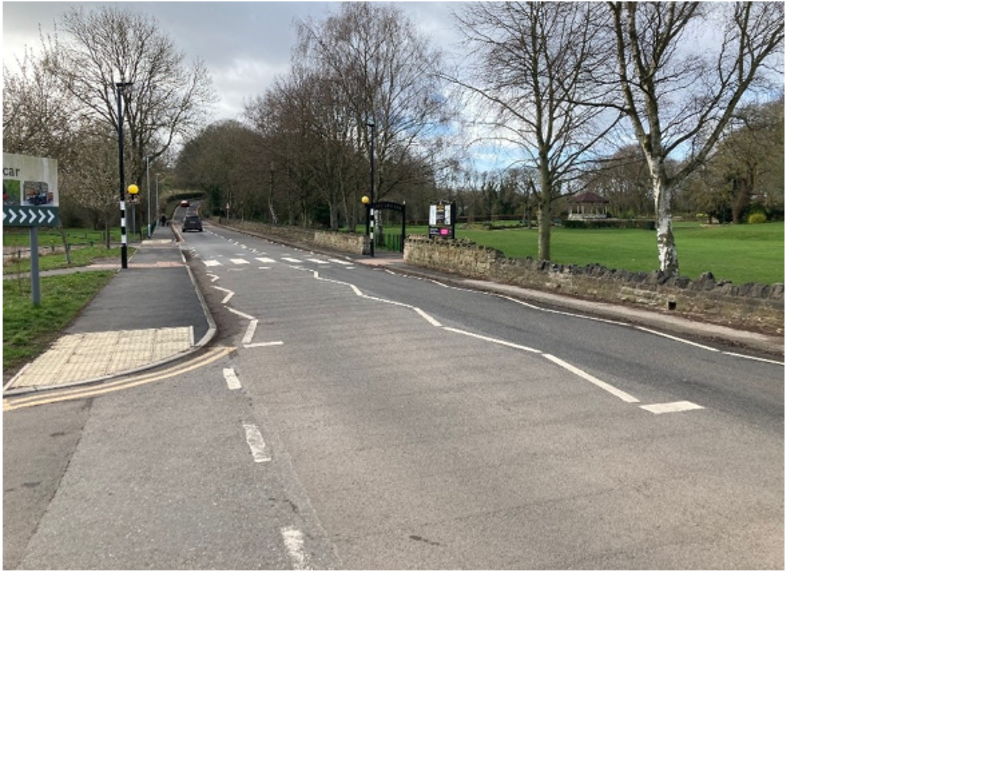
x=586 y=197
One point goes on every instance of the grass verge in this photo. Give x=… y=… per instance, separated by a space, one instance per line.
x=27 y=330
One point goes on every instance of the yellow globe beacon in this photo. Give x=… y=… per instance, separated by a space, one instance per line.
x=133 y=189
x=365 y=199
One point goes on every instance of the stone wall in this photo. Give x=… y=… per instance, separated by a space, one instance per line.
x=757 y=307
x=343 y=242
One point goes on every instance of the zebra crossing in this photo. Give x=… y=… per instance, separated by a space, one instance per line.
x=217 y=262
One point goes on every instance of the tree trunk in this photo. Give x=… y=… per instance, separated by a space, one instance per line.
x=665 y=246
x=544 y=217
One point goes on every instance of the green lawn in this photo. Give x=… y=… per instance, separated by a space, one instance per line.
x=737 y=253
x=27 y=330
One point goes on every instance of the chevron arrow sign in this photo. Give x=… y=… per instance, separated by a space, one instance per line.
x=38 y=216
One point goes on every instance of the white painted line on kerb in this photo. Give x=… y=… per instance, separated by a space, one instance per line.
x=671 y=407
x=258 y=449
x=623 y=396
x=294 y=546
x=495 y=340
x=232 y=381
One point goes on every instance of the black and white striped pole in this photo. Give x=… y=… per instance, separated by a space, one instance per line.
x=371 y=186
x=121 y=173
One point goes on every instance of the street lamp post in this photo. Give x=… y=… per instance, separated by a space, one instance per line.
x=121 y=173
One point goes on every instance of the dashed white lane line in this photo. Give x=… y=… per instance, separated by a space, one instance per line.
x=295 y=547
x=266 y=260
x=232 y=380
x=240 y=261
x=495 y=340
x=623 y=396
x=291 y=260
x=212 y=263
x=258 y=448
x=671 y=407
x=428 y=317
x=251 y=329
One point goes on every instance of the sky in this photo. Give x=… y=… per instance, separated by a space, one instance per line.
x=244 y=44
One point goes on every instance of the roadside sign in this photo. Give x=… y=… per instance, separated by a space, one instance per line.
x=47 y=217
x=441 y=219
x=30 y=191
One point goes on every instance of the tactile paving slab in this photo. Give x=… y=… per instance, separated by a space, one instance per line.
x=91 y=355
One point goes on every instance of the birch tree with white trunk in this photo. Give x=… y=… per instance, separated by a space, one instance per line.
x=684 y=68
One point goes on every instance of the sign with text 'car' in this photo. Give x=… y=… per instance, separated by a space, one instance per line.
x=30 y=191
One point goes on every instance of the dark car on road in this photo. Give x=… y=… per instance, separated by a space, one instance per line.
x=192 y=222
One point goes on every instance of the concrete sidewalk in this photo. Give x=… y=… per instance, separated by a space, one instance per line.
x=149 y=314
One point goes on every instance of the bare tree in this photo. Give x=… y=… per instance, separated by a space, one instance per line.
x=680 y=98
x=104 y=45
x=382 y=73
x=36 y=117
x=534 y=72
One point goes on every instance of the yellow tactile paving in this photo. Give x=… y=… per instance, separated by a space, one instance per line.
x=90 y=355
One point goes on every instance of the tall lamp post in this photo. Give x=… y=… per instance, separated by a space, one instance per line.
x=371 y=186
x=121 y=173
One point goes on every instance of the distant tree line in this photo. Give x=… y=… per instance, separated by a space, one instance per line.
x=657 y=107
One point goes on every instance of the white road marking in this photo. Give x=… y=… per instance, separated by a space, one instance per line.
x=258 y=449
x=240 y=313
x=671 y=407
x=317 y=260
x=339 y=262
x=266 y=260
x=232 y=381
x=240 y=261
x=623 y=396
x=213 y=277
x=294 y=546
x=496 y=340
x=228 y=297
x=291 y=260
x=756 y=359
x=212 y=263
x=428 y=317
x=259 y=345
x=251 y=329
x=674 y=337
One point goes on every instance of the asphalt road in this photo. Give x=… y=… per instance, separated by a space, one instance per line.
x=364 y=420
